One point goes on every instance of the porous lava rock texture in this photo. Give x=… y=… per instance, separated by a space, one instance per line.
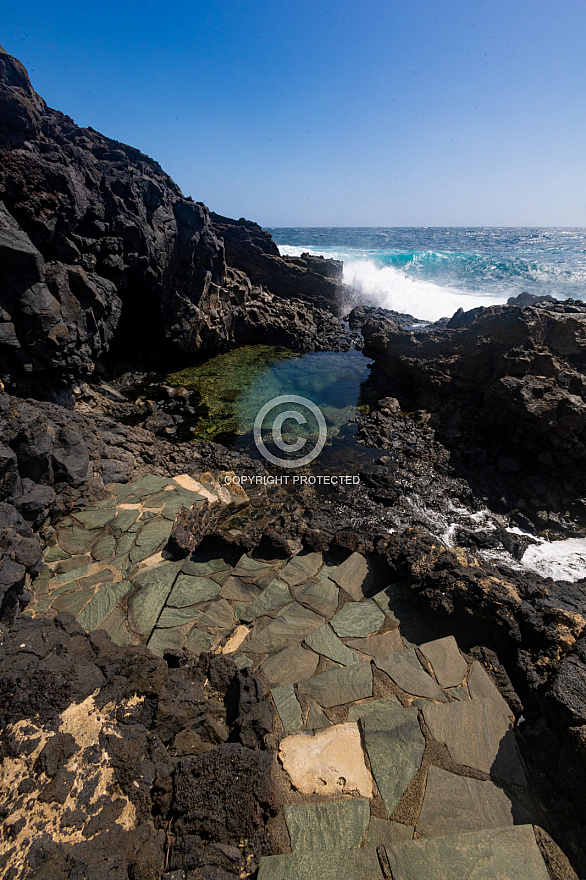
x=99 y=249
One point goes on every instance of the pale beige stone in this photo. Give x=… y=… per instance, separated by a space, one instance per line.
x=329 y=762
x=236 y=639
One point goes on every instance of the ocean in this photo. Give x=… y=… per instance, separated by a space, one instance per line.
x=430 y=272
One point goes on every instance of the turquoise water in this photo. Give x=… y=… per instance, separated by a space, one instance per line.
x=431 y=272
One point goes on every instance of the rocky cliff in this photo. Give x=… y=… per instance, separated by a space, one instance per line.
x=99 y=249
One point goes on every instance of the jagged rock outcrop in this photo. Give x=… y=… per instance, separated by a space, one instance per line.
x=99 y=249
x=506 y=390
x=252 y=250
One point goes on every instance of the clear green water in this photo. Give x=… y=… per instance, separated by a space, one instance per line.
x=235 y=385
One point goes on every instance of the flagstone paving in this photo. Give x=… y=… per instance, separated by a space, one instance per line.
x=363 y=721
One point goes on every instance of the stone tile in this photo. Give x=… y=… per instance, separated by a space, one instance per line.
x=153 y=586
x=354 y=576
x=242 y=661
x=76 y=539
x=189 y=590
x=124 y=519
x=104 y=548
x=301 y=568
x=353 y=864
x=448 y=665
x=482 y=687
x=379 y=646
x=124 y=544
x=357 y=619
x=199 y=641
x=221 y=577
x=331 y=826
x=102 y=603
x=217 y=617
x=331 y=762
x=288 y=707
x=72 y=602
x=274 y=596
x=478 y=737
x=325 y=642
x=71 y=575
x=316 y=718
x=239 y=591
x=179 y=500
x=249 y=567
x=395 y=747
x=55 y=553
x=152 y=537
x=115 y=626
x=372 y=707
x=459 y=693
x=393 y=603
x=162 y=640
x=148 y=485
x=103 y=576
x=320 y=595
x=453 y=804
x=291 y=625
x=383 y=831
x=177 y=616
x=493 y=854
x=339 y=685
x=289 y=666
x=95 y=519
x=406 y=671
x=201 y=567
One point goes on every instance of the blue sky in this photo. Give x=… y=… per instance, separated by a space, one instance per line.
x=372 y=113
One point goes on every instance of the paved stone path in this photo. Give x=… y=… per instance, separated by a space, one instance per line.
x=394 y=760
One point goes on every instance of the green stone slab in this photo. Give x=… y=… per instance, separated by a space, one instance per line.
x=339 y=685
x=72 y=602
x=124 y=544
x=459 y=693
x=354 y=576
x=222 y=576
x=383 y=831
x=54 y=553
x=379 y=646
x=371 y=707
x=357 y=619
x=181 y=499
x=503 y=854
x=320 y=595
x=291 y=625
x=482 y=687
x=288 y=707
x=301 y=568
x=453 y=804
x=104 y=548
x=95 y=519
x=406 y=671
x=70 y=562
x=352 y=864
x=152 y=537
x=198 y=641
x=192 y=590
x=477 y=736
x=153 y=586
x=393 y=603
x=242 y=661
x=71 y=575
x=395 y=747
x=159 y=498
x=217 y=616
x=248 y=567
x=449 y=667
x=149 y=485
x=107 y=502
x=178 y=616
x=239 y=591
x=163 y=640
x=106 y=598
x=115 y=626
x=289 y=666
x=124 y=519
x=274 y=596
x=325 y=642
x=331 y=826
x=76 y=540
x=105 y=576
x=204 y=567
x=316 y=718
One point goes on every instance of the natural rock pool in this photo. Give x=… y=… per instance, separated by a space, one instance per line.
x=233 y=386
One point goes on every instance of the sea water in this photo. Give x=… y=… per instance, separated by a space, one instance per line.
x=431 y=272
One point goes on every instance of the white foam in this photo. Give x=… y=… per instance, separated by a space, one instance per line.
x=560 y=560
x=390 y=288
